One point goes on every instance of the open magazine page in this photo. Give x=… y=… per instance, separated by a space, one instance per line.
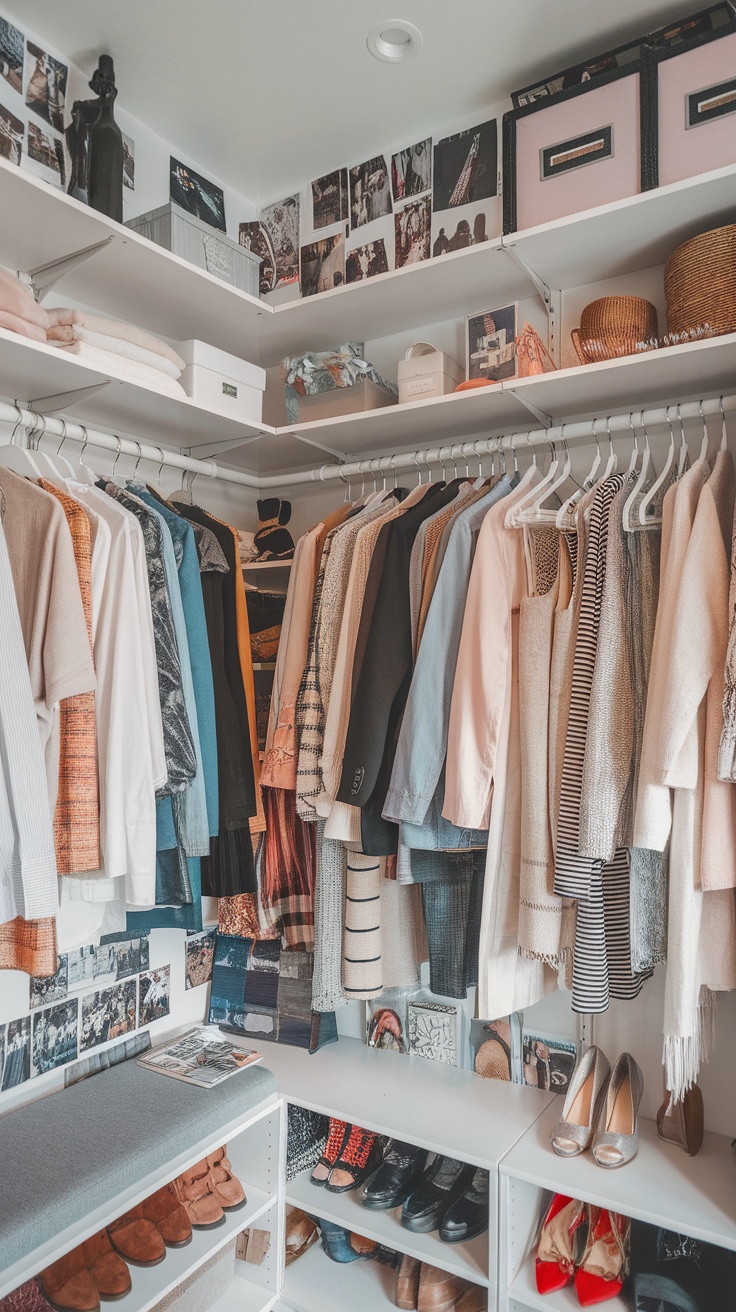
x=200 y=1056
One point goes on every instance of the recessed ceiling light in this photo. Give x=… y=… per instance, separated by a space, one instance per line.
x=394 y=41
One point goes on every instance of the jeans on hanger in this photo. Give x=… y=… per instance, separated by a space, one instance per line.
x=452 y=897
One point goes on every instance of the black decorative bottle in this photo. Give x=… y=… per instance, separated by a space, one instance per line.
x=106 y=146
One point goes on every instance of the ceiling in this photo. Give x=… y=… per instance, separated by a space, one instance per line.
x=270 y=93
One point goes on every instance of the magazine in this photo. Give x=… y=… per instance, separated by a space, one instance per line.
x=201 y=1056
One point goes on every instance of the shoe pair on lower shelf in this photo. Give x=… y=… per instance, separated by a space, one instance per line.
x=350 y=1155
x=424 y=1288
x=446 y=1195
x=601 y=1110
x=585 y=1245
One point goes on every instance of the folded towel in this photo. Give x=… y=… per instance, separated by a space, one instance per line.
x=22 y=326
x=66 y=317
x=17 y=298
x=128 y=369
x=116 y=346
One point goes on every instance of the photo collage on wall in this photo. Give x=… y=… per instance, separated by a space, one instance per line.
x=99 y=993
x=33 y=105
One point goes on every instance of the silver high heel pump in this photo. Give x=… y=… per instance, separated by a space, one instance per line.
x=572 y=1134
x=616 y=1140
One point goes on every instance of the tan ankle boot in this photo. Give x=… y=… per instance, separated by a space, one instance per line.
x=164 y=1210
x=439 y=1291
x=225 y=1186
x=195 y=1194
x=68 y=1285
x=136 y=1239
x=407 y=1283
x=106 y=1267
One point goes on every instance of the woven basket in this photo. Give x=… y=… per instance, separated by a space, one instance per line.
x=614 y=326
x=700 y=283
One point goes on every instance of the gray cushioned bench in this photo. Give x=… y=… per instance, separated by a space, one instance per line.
x=73 y=1151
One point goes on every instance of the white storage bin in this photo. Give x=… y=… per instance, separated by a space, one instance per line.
x=222 y=381
x=426 y=372
x=199 y=244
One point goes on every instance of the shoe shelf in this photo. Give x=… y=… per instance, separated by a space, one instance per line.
x=314 y=1283
x=469 y=1260
x=662 y=1185
x=524 y=1295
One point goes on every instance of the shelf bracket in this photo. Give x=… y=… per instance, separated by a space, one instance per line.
x=534 y=277
x=544 y=419
x=217 y=448
x=339 y=455
x=49 y=405
x=45 y=276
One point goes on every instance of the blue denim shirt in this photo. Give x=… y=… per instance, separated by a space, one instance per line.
x=418 y=773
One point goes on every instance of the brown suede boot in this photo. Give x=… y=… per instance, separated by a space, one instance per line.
x=225 y=1186
x=407 y=1283
x=164 y=1210
x=108 y=1270
x=194 y=1193
x=68 y=1285
x=136 y=1239
x=439 y=1291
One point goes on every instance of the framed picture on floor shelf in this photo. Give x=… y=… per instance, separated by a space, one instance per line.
x=433 y=1029
x=490 y=340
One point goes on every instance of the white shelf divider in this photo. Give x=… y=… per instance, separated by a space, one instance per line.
x=314 y=1283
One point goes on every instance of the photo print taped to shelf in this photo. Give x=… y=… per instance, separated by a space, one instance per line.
x=411 y=170
x=490 y=338
x=46 y=80
x=50 y=988
x=385 y=1023
x=46 y=156
x=199 y=955
x=108 y=1014
x=193 y=193
x=459 y=229
x=16 y=1067
x=122 y=955
x=370 y=191
x=54 y=1036
x=128 y=163
x=81 y=966
x=466 y=167
x=433 y=1031
x=12 y=52
x=322 y=265
x=330 y=199
x=549 y=1061
x=255 y=238
x=154 y=995
x=496 y=1048
x=413 y=231
x=366 y=261
x=281 y=223
x=12 y=131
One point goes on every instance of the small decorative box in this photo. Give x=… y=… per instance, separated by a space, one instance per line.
x=426 y=372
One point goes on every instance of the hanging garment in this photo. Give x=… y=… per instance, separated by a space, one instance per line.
x=362 y=968
x=280 y=761
x=329 y=917
x=289 y=861
x=452 y=896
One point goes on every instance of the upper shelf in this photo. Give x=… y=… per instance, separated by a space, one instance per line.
x=134 y=279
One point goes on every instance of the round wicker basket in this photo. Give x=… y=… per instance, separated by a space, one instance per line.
x=614 y=326
x=700 y=283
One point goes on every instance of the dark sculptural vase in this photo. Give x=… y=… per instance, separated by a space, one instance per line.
x=96 y=146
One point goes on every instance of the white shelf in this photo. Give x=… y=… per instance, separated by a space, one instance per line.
x=663 y=1186
x=243 y=1296
x=31 y=371
x=467 y=1260
x=150 y=1284
x=441 y=1108
x=314 y=1283
x=524 y=1292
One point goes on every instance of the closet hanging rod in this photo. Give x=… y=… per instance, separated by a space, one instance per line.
x=46 y=424
x=472 y=448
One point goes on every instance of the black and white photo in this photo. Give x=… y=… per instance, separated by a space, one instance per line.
x=413 y=231
x=46 y=152
x=154 y=995
x=330 y=199
x=46 y=85
x=411 y=170
x=370 y=191
x=108 y=1014
x=467 y=232
x=466 y=167
x=16 y=1068
x=12 y=131
x=281 y=222
x=55 y=1036
x=81 y=966
x=12 y=48
x=50 y=988
x=491 y=344
x=128 y=163
x=193 y=193
x=106 y=962
x=322 y=265
x=199 y=955
x=255 y=238
x=366 y=261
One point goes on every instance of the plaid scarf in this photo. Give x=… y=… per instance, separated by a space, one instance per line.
x=289 y=866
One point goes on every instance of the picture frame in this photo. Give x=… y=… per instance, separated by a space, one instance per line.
x=490 y=344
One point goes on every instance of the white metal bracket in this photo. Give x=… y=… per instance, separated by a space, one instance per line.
x=534 y=277
x=545 y=420
x=310 y=441
x=217 y=448
x=46 y=276
x=49 y=405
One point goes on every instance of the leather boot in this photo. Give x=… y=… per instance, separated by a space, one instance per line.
x=194 y=1193
x=225 y=1186
x=407 y=1283
x=475 y=1299
x=136 y=1239
x=68 y=1285
x=439 y=1290
x=108 y=1270
x=164 y=1210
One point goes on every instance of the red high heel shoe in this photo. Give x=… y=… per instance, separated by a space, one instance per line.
x=555 y=1260
x=605 y=1263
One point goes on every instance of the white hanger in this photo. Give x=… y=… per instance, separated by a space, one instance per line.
x=534 y=512
x=684 y=459
x=648 y=517
x=513 y=516
x=704 y=444
x=567 y=505
x=640 y=484
x=724 y=433
x=19 y=458
x=635 y=452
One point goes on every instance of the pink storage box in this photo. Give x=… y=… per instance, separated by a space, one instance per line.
x=697 y=108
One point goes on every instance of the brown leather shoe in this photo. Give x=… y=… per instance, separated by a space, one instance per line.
x=164 y=1210
x=407 y=1283
x=225 y=1186
x=194 y=1193
x=69 y=1286
x=439 y=1291
x=475 y=1299
x=136 y=1239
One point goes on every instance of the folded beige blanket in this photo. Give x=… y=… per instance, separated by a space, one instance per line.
x=132 y=370
x=24 y=327
x=17 y=298
x=117 y=346
x=64 y=317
